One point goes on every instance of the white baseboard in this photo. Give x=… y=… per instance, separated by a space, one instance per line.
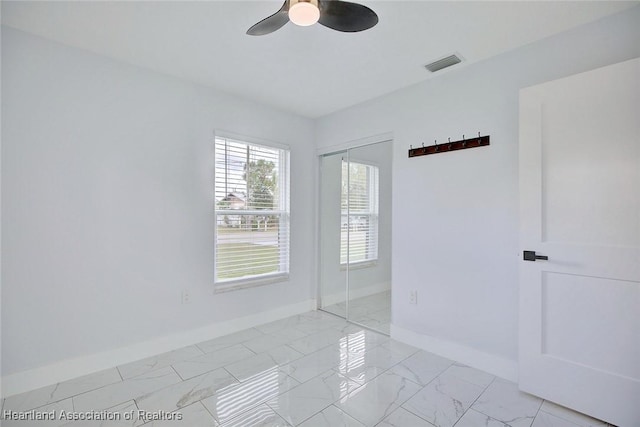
x=72 y=368
x=491 y=363
x=356 y=293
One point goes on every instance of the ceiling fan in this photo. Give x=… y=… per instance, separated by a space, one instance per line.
x=335 y=14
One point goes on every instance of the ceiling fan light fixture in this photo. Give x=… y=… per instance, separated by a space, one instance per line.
x=304 y=12
x=343 y=16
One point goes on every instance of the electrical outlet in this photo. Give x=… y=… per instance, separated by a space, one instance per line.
x=185 y=297
x=413 y=296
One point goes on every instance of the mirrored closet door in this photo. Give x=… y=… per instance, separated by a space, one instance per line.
x=355 y=235
x=333 y=277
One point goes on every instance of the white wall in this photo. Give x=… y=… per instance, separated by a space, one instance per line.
x=107 y=203
x=455 y=215
x=365 y=280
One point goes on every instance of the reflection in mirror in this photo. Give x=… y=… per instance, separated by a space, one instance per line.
x=366 y=188
x=333 y=278
x=355 y=235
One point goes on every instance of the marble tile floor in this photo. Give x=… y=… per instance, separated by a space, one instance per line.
x=309 y=370
x=372 y=311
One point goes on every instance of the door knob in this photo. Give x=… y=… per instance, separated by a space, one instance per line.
x=531 y=256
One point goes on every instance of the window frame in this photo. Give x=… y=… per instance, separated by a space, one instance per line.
x=373 y=213
x=284 y=213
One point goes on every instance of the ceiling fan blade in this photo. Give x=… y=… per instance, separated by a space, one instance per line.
x=271 y=23
x=345 y=16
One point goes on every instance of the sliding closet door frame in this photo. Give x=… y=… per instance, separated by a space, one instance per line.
x=321 y=153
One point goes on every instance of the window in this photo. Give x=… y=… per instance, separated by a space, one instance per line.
x=251 y=213
x=359 y=219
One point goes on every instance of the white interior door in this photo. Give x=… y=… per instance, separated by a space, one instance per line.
x=580 y=206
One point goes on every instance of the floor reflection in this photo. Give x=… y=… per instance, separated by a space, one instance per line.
x=353 y=348
x=372 y=311
x=236 y=398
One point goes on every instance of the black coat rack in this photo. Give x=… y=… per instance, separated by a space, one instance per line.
x=462 y=144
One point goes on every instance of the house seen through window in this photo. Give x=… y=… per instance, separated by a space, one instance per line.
x=359 y=213
x=251 y=213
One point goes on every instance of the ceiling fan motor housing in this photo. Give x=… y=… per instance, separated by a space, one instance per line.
x=293 y=2
x=304 y=12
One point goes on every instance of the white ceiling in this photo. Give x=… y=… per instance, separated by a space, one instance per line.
x=310 y=71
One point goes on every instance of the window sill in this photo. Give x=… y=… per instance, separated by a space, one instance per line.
x=237 y=284
x=359 y=265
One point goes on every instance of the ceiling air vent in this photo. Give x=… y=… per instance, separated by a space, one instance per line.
x=443 y=63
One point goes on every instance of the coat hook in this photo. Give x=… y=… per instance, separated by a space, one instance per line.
x=423 y=149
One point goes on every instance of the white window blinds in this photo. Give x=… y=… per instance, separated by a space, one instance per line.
x=251 y=213
x=359 y=213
